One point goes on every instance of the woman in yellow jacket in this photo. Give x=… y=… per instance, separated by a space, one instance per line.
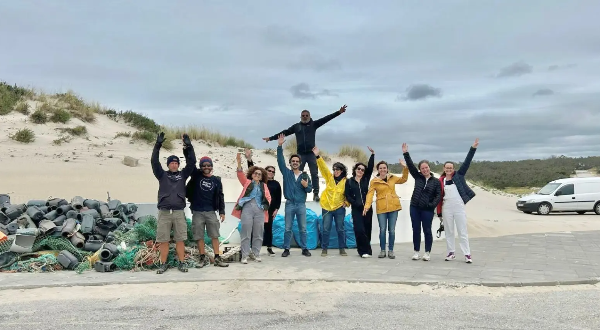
x=333 y=201
x=387 y=205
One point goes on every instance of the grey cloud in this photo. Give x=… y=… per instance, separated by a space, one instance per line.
x=543 y=92
x=419 y=92
x=316 y=63
x=302 y=91
x=560 y=67
x=515 y=70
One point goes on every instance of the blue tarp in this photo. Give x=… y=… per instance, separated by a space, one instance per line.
x=278 y=230
x=333 y=237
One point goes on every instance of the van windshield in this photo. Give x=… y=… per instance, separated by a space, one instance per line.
x=548 y=189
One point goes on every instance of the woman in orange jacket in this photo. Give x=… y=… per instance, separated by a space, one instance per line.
x=387 y=204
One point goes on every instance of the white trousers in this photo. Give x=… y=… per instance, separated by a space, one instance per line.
x=454 y=214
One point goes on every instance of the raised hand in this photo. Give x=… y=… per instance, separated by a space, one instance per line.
x=248 y=153
x=186 y=139
x=160 y=138
x=343 y=108
x=476 y=143
x=238 y=158
x=315 y=151
x=371 y=150
x=404 y=147
x=266 y=139
x=281 y=139
x=403 y=163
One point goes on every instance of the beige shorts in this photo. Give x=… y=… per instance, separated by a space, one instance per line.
x=168 y=220
x=202 y=220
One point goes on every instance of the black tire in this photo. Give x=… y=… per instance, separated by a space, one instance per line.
x=580 y=212
x=527 y=212
x=544 y=208
x=597 y=208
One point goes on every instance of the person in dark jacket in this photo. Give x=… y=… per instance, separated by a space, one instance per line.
x=171 y=200
x=275 y=191
x=205 y=194
x=425 y=198
x=305 y=132
x=356 y=195
x=455 y=195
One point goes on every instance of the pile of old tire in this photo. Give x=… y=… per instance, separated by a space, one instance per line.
x=88 y=225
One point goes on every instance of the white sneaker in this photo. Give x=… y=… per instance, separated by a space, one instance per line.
x=257 y=259
x=450 y=256
x=244 y=260
x=468 y=259
x=366 y=256
x=416 y=256
x=426 y=256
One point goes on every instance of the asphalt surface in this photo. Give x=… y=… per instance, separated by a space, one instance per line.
x=299 y=305
x=515 y=260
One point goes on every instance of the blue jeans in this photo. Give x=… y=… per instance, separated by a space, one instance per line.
x=387 y=220
x=297 y=211
x=424 y=218
x=337 y=216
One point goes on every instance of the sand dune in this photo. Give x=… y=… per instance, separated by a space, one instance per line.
x=91 y=166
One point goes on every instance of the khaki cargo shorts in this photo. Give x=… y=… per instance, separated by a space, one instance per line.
x=171 y=219
x=208 y=220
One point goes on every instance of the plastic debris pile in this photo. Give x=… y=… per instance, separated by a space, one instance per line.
x=82 y=234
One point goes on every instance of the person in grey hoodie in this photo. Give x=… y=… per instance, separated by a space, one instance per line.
x=171 y=201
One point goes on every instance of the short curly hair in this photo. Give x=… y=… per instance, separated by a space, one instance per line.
x=253 y=169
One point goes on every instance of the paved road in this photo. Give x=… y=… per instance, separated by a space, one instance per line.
x=533 y=259
x=299 y=305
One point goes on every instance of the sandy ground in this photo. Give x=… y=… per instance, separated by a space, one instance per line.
x=299 y=305
x=92 y=166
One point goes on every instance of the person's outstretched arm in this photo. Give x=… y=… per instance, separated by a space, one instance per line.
x=465 y=165
x=190 y=157
x=239 y=171
x=409 y=163
x=286 y=132
x=322 y=121
x=371 y=165
x=323 y=166
x=404 y=176
x=156 y=166
x=280 y=160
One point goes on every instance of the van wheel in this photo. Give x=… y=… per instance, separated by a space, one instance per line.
x=597 y=208
x=580 y=212
x=544 y=208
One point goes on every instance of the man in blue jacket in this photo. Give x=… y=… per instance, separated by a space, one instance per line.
x=296 y=184
x=171 y=201
x=305 y=132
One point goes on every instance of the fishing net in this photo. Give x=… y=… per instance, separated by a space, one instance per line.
x=41 y=264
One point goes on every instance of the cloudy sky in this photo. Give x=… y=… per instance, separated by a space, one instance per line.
x=523 y=76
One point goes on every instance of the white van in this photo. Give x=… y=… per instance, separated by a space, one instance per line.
x=579 y=195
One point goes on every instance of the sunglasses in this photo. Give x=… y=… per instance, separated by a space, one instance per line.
x=362 y=169
x=206 y=165
x=294 y=161
x=337 y=169
x=270 y=171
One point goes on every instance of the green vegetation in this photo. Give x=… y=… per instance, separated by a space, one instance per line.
x=204 y=134
x=60 y=116
x=77 y=107
x=10 y=96
x=23 y=107
x=354 y=152
x=24 y=135
x=75 y=131
x=61 y=140
x=522 y=174
x=122 y=134
x=39 y=117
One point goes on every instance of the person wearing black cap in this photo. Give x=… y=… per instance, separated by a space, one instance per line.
x=171 y=200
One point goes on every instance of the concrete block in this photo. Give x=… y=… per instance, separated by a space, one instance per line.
x=130 y=161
